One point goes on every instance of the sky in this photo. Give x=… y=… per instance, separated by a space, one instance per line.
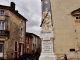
x=31 y=10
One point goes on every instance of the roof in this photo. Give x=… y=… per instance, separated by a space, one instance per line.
x=27 y=34
x=12 y=9
x=32 y=34
x=76 y=12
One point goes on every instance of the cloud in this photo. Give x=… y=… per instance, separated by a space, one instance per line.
x=31 y=10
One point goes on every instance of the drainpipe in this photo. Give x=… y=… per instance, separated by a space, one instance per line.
x=25 y=40
x=25 y=36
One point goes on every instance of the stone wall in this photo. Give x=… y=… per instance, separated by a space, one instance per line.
x=13 y=24
x=5 y=18
x=29 y=46
x=15 y=33
x=64 y=27
x=33 y=45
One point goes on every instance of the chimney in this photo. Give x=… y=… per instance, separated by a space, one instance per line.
x=13 y=5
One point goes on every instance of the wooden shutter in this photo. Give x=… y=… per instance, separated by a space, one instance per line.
x=23 y=48
x=15 y=46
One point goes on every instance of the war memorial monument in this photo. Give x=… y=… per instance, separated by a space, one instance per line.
x=47 y=34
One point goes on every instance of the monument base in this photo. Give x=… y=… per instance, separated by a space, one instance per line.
x=48 y=57
x=47 y=52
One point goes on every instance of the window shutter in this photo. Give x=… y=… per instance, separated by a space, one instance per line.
x=15 y=46
x=23 y=48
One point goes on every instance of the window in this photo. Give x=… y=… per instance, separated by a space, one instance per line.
x=21 y=32
x=21 y=24
x=76 y=17
x=21 y=21
x=2 y=12
x=1 y=47
x=1 y=25
x=72 y=49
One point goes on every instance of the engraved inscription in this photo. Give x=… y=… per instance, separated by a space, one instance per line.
x=46 y=38
x=47 y=47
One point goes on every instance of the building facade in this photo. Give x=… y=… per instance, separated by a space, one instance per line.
x=33 y=43
x=66 y=27
x=12 y=32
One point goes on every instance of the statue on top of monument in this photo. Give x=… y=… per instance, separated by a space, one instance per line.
x=46 y=17
x=46 y=20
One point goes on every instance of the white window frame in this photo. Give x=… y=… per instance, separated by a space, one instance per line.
x=1 y=25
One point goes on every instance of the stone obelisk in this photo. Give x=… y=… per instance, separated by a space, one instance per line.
x=46 y=34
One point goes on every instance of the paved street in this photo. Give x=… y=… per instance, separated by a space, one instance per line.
x=33 y=57
x=29 y=57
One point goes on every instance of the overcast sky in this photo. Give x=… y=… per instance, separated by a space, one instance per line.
x=31 y=10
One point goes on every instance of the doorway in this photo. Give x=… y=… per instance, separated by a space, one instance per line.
x=21 y=49
x=1 y=49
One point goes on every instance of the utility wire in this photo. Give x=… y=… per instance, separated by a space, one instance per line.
x=23 y=7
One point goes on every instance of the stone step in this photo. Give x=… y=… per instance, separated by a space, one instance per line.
x=59 y=57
